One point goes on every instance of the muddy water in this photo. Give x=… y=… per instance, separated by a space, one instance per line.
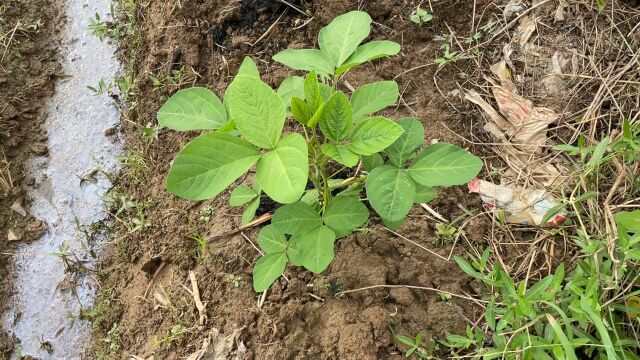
x=68 y=194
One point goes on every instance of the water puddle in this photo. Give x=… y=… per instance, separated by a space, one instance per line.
x=69 y=191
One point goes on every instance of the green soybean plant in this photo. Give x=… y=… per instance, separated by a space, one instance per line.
x=301 y=170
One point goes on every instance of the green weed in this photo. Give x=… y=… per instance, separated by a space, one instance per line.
x=588 y=308
x=420 y=16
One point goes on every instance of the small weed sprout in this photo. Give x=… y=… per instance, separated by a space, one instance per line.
x=415 y=346
x=420 y=16
x=338 y=131
x=234 y=279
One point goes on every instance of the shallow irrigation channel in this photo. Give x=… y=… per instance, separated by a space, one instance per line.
x=53 y=277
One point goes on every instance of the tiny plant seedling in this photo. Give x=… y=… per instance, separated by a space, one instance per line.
x=300 y=170
x=420 y=16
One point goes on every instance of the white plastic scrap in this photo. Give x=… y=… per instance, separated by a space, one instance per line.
x=521 y=206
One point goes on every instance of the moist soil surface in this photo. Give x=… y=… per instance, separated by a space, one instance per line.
x=147 y=308
x=145 y=294
x=29 y=66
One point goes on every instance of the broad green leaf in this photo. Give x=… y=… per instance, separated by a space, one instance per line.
x=293 y=86
x=242 y=195
x=267 y=270
x=629 y=220
x=249 y=68
x=339 y=234
x=372 y=161
x=300 y=110
x=312 y=92
x=407 y=144
x=341 y=37
x=283 y=171
x=294 y=251
x=271 y=240
x=335 y=120
x=374 y=135
x=257 y=110
x=306 y=59
x=250 y=212
x=341 y=154
x=296 y=218
x=445 y=165
x=390 y=192
x=373 y=97
x=195 y=108
x=424 y=194
x=393 y=225
x=368 y=52
x=316 y=248
x=208 y=164
x=345 y=213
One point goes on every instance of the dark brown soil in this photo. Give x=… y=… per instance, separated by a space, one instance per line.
x=28 y=69
x=300 y=319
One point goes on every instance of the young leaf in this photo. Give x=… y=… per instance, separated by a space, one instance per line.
x=345 y=213
x=293 y=86
x=296 y=218
x=271 y=240
x=257 y=110
x=300 y=110
x=208 y=164
x=312 y=198
x=372 y=161
x=373 y=97
x=312 y=92
x=250 y=212
x=341 y=37
x=283 y=171
x=340 y=153
x=249 y=68
x=374 y=135
x=467 y=268
x=306 y=59
x=368 y=52
x=410 y=141
x=316 y=117
x=424 y=194
x=325 y=92
x=598 y=153
x=335 y=120
x=445 y=165
x=242 y=195
x=316 y=248
x=267 y=270
x=195 y=108
x=390 y=192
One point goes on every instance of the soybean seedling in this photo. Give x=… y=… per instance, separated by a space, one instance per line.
x=297 y=170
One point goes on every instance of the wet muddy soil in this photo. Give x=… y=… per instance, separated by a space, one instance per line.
x=57 y=152
x=146 y=308
x=29 y=67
